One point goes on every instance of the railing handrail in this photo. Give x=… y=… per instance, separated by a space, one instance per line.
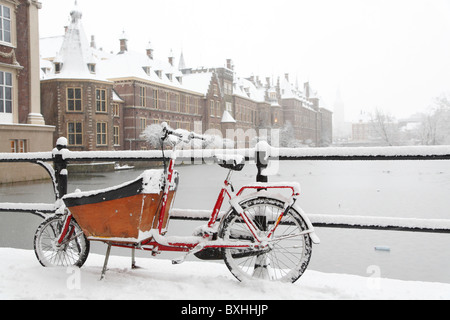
x=260 y=154
x=334 y=153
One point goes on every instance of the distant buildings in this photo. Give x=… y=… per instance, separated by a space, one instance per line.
x=103 y=101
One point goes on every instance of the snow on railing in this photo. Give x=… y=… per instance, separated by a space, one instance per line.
x=261 y=154
x=343 y=221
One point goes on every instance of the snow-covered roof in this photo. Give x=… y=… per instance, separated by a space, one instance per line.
x=75 y=54
x=138 y=65
x=116 y=97
x=227 y=118
x=290 y=91
x=246 y=89
x=49 y=47
x=198 y=82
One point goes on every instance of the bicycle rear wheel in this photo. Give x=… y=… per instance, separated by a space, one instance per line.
x=73 y=251
x=284 y=260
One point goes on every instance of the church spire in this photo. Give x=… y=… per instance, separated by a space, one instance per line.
x=181 y=63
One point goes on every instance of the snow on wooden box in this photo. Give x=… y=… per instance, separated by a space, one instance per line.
x=126 y=212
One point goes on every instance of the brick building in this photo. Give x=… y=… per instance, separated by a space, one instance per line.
x=75 y=98
x=22 y=126
x=134 y=90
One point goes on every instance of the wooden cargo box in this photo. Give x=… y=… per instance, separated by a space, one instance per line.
x=126 y=212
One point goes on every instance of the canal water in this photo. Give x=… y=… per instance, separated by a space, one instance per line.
x=409 y=189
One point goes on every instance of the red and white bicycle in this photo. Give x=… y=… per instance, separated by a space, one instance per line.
x=263 y=235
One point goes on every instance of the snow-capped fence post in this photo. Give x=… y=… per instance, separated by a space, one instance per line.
x=60 y=165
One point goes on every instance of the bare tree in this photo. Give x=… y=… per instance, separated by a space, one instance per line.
x=384 y=126
x=435 y=128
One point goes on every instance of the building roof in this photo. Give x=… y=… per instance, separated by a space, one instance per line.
x=245 y=88
x=198 y=82
x=75 y=54
x=227 y=118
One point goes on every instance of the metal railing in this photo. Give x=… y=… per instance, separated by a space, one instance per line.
x=261 y=155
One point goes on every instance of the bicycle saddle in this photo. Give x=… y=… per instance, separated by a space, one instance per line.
x=231 y=162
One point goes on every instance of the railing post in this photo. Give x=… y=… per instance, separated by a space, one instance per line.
x=262 y=160
x=60 y=165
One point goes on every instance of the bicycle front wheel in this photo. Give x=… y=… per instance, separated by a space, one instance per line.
x=289 y=250
x=73 y=251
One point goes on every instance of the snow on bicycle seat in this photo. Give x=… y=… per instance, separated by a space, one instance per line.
x=233 y=162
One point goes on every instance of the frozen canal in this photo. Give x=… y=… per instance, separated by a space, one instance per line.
x=410 y=189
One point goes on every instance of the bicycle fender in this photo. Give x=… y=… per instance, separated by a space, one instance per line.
x=314 y=238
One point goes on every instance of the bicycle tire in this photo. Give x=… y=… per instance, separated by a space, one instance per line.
x=285 y=261
x=73 y=251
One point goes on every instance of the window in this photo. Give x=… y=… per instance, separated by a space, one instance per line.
x=5 y=24
x=75 y=133
x=100 y=95
x=143 y=122
x=142 y=96
x=211 y=105
x=116 y=110
x=116 y=136
x=218 y=113
x=147 y=70
x=229 y=107
x=155 y=98
x=101 y=133
x=58 y=67
x=74 y=99
x=5 y=92
x=18 y=146
x=91 y=67
x=178 y=102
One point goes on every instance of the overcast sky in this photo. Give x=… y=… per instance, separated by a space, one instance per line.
x=387 y=54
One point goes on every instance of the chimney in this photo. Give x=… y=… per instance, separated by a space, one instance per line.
x=306 y=87
x=171 y=58
x=230 y=64
x=150 y=50
x=123 y=42
x=150 y=53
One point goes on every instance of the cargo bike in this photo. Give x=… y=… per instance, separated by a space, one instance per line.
x=263 y=235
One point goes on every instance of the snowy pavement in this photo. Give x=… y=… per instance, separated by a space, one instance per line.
x=22 y=277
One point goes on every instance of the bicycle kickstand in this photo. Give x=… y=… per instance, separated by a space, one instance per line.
x=105 y=264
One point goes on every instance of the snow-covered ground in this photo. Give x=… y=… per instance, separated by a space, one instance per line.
x=22 y=277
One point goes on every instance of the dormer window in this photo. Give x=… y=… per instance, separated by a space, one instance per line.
x=91 y=67
x=159 y=73
x=169 y=75
x=147 y=70
x=180 y=79
x=58 y=67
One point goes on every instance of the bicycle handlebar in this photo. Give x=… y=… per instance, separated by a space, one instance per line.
x=169 y=131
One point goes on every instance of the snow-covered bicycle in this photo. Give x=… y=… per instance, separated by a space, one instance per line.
x=263 y=235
